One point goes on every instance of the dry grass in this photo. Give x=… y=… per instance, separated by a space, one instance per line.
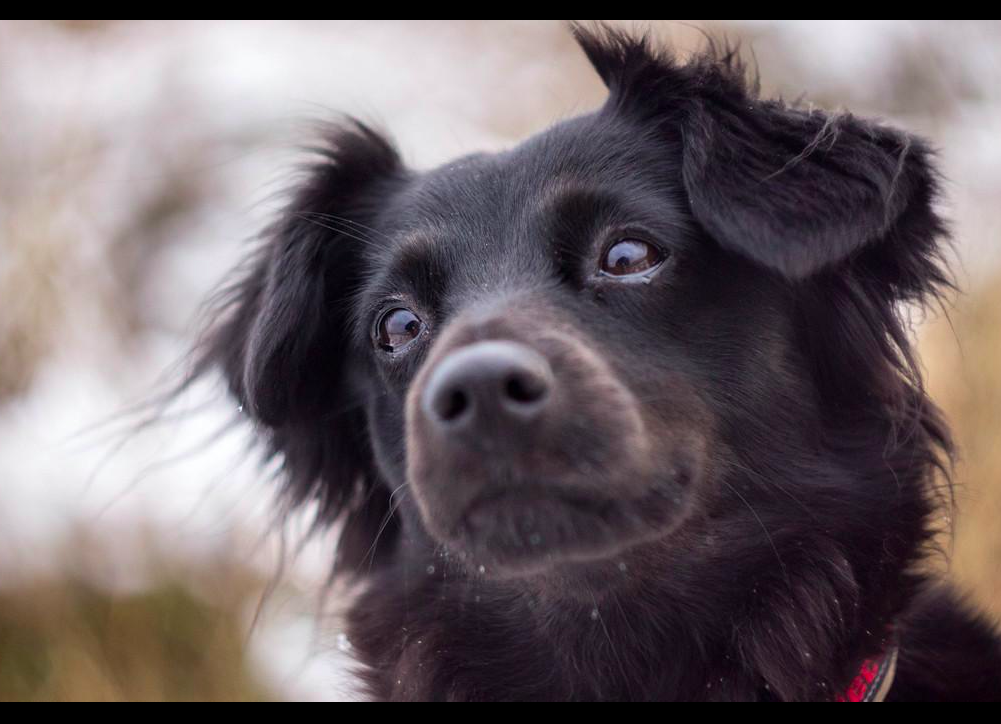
x=963 y=362
x=67 y=640
x=31 y=265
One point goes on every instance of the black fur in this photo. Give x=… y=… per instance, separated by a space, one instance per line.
x=750 y=455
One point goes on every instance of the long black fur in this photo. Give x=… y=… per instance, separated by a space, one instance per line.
x=805 y=238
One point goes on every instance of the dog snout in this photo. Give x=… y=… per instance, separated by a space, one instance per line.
x=487 y=385
x=525 y=445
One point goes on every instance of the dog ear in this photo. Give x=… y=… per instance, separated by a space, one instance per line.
x=797 y=191
x=295 y=348
x=284 y=343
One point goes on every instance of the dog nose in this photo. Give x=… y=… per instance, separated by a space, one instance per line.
x=485 y=384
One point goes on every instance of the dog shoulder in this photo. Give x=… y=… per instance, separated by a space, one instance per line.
x=947 y=652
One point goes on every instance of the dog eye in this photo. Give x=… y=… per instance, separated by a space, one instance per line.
x=398 y=328
x=628 y=257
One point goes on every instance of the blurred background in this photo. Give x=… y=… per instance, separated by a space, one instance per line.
x=137 y=159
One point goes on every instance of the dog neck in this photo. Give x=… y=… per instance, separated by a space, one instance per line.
x=794 y=630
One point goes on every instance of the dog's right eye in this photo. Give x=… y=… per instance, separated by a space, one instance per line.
x=397 y=329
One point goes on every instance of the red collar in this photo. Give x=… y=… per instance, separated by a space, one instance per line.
x=874 y=679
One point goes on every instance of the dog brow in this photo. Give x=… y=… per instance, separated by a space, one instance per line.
x=562 y=187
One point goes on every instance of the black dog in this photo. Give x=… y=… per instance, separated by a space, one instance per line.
x=626 y=412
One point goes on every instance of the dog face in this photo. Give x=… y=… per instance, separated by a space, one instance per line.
x=526 y=332
x=548 y=356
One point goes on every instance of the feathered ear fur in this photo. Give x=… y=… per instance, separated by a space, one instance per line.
x=283 y=344
x=797 y=191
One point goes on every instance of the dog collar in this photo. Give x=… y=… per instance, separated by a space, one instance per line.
x=874 y=679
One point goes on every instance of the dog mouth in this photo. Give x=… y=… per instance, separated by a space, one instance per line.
x=528 y=530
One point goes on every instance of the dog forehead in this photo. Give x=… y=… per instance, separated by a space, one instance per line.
x=496 y=196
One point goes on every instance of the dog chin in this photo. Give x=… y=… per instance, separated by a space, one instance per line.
x=521 y=533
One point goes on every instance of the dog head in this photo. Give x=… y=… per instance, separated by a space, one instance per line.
x=547 y=356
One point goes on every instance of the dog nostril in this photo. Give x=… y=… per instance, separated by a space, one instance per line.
x=454 y=404
x=524 y=389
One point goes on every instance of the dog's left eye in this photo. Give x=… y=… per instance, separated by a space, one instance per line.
x=398 y=328
x=629 y=257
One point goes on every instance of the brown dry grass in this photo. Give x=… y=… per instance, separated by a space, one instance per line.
x=67 y=640
x=963 y=361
